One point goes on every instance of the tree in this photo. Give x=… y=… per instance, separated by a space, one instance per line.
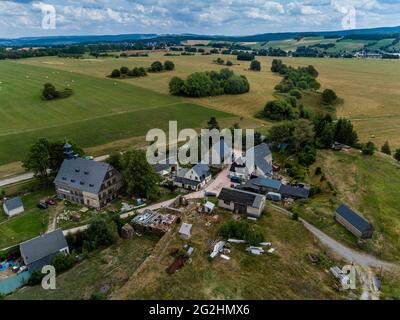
x=213 y=124
x=386 y=148
x=329 y=97
x=229 y=63
x=296 y=93
x=176 y=86
x=244 y=56
x=303 y=134
x=63 y=262
x=141 y=180
x=124 y=70
x=169 y=65
x=281 y=133
x=45 y=155
x=156 y=66
x=199 y=84
x=326 y=138
x=38 y=159
x=98 y=234
x=236 y=85
x=115 y=161
x=344 y=132
x=368 y=148
x=279 y=110
x=115 y=73
x=255 y=65
x=397 y=155
x=49 y=92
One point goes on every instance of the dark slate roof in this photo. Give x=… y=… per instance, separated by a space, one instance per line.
x=158 y=167
x=202 y=170
x=43 y=246
x=239 y=196
x=265 y=182
x=187 y=181
x=261 y=151
x=354 y=218
x=82 y=174
x=297 y=192
x=13 y=203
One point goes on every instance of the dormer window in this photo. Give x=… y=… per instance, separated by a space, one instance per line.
x=91 y=185
x=77 y=170
x=72 y=180
x=64 y=178
x=86 y=172
x=82 y=183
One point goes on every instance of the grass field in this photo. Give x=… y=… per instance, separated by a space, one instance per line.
x=287 y=274
x=292 y=44
x=370 y=185
x=369 y=87
x=109 y=268
x=28 y=224
x=99 y=112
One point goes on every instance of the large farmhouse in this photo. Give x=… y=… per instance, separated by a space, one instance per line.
x=87 y=182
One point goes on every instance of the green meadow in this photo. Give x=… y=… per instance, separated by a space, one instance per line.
x=100 y=110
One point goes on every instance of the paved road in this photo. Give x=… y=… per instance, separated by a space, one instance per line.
x=29 y=175
x=350 y=255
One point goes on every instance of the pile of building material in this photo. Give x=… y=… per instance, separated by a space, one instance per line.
x=153 y=221
x=125 y=207
x=255 y=250
x=217 y=248
x=339 y=275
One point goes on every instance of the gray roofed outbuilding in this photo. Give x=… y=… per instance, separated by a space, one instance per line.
x=357 y=221
x=240 y=196
x=13 y=203
x=39 y=251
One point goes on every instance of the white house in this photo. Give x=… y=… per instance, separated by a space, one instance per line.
x=13 y=206
x=194 y=178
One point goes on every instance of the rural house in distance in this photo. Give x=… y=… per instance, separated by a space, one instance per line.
x=87 y=182
x=195 y=178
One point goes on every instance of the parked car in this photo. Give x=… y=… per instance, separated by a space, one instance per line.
x=51 y=202
x=42 y=205
x=210 y=194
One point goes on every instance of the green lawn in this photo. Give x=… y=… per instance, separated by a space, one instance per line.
x=28 y=224
x=100 y=110
x=370 y=185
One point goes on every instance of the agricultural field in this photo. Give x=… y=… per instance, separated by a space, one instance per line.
x=369 y=87
x=370 y=185
x=285 y=275
x=99 y=112
x=293 y=44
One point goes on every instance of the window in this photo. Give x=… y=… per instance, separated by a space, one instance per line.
x=227 y=202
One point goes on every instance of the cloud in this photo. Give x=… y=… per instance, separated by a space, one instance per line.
x=231 y=17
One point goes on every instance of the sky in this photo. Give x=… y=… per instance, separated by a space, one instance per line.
x=25 y=18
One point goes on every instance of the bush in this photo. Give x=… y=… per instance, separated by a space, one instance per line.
x=295 y=216
x=156 y=66
x=229 y=63
x=386 y=148
x=279 y=110
x=63 y=262
x=242 y=230
x=255 y=65
x=244 y=56
x=296 y=93
x=169 y=65
x=115 y=73
x=99 y=234
x=124 y=70
x=368 y=148
x=35 y=278
x=318 y=171
x=329 y=97
x=49 y=92
x=177 y=86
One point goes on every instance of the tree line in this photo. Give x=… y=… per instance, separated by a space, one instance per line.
x=209 y=83
x=155 y=67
